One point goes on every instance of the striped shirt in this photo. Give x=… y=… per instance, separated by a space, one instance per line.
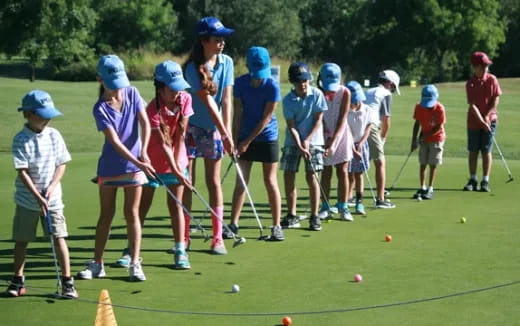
x=39 y=153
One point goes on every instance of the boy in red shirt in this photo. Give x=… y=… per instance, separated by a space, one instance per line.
x=430 y=117
x=482 y=91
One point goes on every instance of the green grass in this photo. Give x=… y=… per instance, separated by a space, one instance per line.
x=432 y=254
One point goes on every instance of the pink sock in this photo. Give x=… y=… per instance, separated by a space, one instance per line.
x=187 y=221
x=217 y=222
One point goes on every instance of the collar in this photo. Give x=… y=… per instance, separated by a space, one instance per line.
x=32 y=133
x=296 y=97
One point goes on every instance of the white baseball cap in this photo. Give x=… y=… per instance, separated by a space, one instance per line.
x=391 y=76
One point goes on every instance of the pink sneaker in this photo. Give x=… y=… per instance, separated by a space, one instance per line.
x=218 y=247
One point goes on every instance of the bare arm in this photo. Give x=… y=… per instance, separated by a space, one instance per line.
x=415 y=132
x=473 y=110
x=493 y=104
x=145 y=134
x=318 y=119
x=296 y=137
x=23 y=174
x=227 y=106
x=385 y=127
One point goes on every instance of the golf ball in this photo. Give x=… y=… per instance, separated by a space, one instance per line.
x=286 y=321
x=358 y=278
x=235 y=288
x=462 y=220
x=388 y=238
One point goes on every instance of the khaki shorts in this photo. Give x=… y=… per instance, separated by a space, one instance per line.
x=25 y=222
x=375 y=144
x=431 y=153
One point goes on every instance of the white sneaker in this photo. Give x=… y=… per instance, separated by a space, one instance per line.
x=92 y=270
x=346 y=216
x=136 y=272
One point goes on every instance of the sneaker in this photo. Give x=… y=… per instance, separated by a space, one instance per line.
x=324 y=212
x=218 y=247
x=360 y=209
x=92 y=270
x=68 y=290
x=124 y=260
x=384 y=203
x=351 y=202
x=428 y=195
x=315 y=223
x=276 y=234
x=346 y=216
x=230 y=231
x=420 y=193
x=484 y=186
x=471 y=185
x=136 y=272
x=16 y=288
x=290 y=222
x=181 y=260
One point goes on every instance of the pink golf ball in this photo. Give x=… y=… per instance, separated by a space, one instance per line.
x=358 y=278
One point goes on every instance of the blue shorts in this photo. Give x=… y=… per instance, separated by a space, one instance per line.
x=479 y=140
x=168 y=178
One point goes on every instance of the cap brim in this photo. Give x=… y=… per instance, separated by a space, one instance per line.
x=47 y=113
x=261 y=74
x=179 y=85
x=428 y=102
x=331 y=86
x=223 y=32
x=397 y=90
x=301 y=77
x=358 y=98
x=117 y=83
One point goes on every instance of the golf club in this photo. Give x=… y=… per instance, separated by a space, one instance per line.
x=168 y=190
x=237 y=240
x=503 y=161
x=369 y=183
x=246 y=189
x=325 y=199
x=400 y=171
x=51 y=237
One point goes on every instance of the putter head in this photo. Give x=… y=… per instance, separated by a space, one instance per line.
x=510 y=180
x=239 y=241
x=264 y=237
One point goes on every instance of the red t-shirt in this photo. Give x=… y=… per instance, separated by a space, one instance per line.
x=481 y=92
x=430 y=118
x=170 y=118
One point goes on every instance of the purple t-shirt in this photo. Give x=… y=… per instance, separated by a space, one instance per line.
x=126 y=126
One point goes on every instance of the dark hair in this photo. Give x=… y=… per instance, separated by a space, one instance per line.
x=319 y=83
x=199 y=60
x=165 y=129
x=101 y=90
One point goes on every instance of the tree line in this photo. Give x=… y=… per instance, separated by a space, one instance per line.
x=425 y=40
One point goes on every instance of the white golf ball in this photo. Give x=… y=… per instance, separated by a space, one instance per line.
x=235 y=288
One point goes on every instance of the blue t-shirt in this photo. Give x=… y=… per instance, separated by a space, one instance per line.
x=222 y=77
x=126 y=125
x=254 y=101
x=303 y=111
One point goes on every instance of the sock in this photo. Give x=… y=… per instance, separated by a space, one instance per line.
x=430 y=188
x=359 y=197
x=325 y=206
x=423 y=187
x=187 y=221
x=473 y=177
x=217 y=222
x=18 y=279
x=341 y=205
x=66 y=278
x=179 y=246
x=99 y=261
x=485 y=178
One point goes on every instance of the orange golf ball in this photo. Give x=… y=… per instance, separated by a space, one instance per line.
x=388 y=238
x=286 y=321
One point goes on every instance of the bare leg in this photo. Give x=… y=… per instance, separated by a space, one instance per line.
x=133 y=226
x=176 y=213
x=326 y=176
x=20 y=249
x=343 y=185
x=380 y=177
x=359 y=182
x=314 y=192
x=212 y=175
x=187 y=196
x=487 y=159
x=62 y=252
x=433 y=173
x=239 y=194
x=290 y=191
x=107 y=199
x=422 y=176
x=146 y=203
x=473 y=163
x=352 y=184
x=273 y=191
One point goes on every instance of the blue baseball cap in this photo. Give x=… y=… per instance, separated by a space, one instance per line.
x=330 y=75
x=429 y=96
x=41 y=103
x=356 y=92
x=112 y=71
x=170 y=74
x=211 y=26
x=258 y=62
x=298 y=72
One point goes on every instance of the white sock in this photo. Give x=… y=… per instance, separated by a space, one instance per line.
x=430 y=188
x=485 y=178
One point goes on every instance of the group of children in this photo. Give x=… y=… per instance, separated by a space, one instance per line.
x=330 y=126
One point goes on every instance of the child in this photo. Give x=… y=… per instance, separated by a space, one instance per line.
x=483 y=92
x=210 y=74
x=338 y=140
x=379 y=101
x=358 y=121
x=303 y=109
x=255 y=129
x=40 y=155
x=123 y=162
x=168 y=114
x=430 y=116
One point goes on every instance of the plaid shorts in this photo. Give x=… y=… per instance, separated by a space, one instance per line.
x=360 y=165
x=291 y=156
x=206 y=143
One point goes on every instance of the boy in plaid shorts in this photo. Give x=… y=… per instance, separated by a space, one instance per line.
x=303 y=110
x=430 y=117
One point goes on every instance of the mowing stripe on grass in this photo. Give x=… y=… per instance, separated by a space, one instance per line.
x=267 y=314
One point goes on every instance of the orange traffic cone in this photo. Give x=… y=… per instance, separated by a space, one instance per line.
x=105 y=315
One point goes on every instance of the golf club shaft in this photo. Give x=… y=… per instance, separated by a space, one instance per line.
x=401 y=170
x=51 y=237
x=246 y=189
x=369 y=182
x=322 y=191
x=503 y=159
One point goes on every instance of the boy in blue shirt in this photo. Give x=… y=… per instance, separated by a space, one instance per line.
x=303 y=110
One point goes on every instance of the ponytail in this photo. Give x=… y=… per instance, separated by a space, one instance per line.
x=164 y=128
x=319 y=84
x=101 y=90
